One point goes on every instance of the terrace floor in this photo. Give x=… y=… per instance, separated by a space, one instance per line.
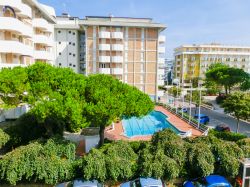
x=117 y=132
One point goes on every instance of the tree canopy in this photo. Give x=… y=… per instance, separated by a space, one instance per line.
x=227 y=77
x=238 y=105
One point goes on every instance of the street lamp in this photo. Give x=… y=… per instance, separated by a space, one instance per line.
x=199 y=111
x=190 y=101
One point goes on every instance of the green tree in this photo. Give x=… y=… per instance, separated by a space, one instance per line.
x=238 y=105
x=195 y=98
x=13 y=86
x=226 y=76
x=108 y=99
x=175 y=91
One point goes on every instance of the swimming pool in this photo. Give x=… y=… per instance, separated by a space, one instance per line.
x=147 y=125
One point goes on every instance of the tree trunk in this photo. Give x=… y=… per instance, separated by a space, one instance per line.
x=238 y=125
x=226 y=89
x=101 y=134
x=195 y=112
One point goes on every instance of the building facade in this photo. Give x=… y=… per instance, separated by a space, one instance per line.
x=192 y=61
x=130 y=49
x=26 y=33
x=169 y=63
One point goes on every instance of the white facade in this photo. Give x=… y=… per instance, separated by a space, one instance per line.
x=26 y=33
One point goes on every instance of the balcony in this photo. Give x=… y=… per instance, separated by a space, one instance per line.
x=117 y=71
x=160 y=82
x=161 y=49
x=117 y=35
x=42 y=24
x=160 y=93
x=42 y=39
x=161 y=71
x=104 y=70
x=117 y=47
x=117 y=59
x=13 y=24
x=104 y=34
x=162 y=39
x=21 y=9
x=161 y=61
x=15 y=47
x=43 y=55
x=7 y=65
x=104 y=58
x=104 y=47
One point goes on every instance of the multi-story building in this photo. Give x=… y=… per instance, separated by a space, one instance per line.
x=26 y=33
x=169 y=70
x=130 y=49
x=192 y=61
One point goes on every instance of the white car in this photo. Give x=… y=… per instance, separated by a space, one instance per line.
x=80 y=183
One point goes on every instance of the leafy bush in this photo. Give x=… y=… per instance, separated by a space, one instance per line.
x=244 y=144
x=4 y=138
x=200 y=160
x=228 y=136
x=48 y=163
x=116 y=161
x=220 y=99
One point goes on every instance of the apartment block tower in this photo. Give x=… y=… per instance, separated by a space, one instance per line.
x=130 y=49
x=26 y=33
x=192 y=61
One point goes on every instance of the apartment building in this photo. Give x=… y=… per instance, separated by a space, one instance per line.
x=130 y=49
x=169 y=63
x=26 y=33
x=192 y=61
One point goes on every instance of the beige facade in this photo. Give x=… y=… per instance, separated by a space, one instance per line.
x=192 y=61
x=126 y=48
x=26 y=33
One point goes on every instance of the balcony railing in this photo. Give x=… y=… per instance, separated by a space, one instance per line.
x=15 y=47
x=13 y=24
x=117 y=47
x=104 y=34
x=42 y=24
x=43 y=55
x=104 y=58
x=104 y=70
x=104 y=47
x=117 y=35
x=162 y=39
x=161 y=49
x=117 y=59
x=161 y=61
x=42 y=39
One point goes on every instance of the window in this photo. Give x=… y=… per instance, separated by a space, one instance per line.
x=60 y=53
x=74 y=55
x=60 y=42
x=74 y=33
x=70 y=53
x=70 y=64
x=74 y=65
x=59 y=32
x=69 y=43
x=69 y=32
x=60 y=64
x=74 y=44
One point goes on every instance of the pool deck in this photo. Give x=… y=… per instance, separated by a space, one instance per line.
x=117 y=132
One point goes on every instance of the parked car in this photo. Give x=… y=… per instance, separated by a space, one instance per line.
x=208 y=181
x=80 y=183
x=144 y=182
x=204 y=119
x=183 y=109
x=223 y=128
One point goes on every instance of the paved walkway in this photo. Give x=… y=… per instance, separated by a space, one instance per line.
x=118 y=133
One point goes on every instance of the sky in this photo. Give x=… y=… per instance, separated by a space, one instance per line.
x=187 y=21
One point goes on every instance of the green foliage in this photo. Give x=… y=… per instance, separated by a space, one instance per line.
x=175 y=91
x=238 y=105
x=200 y=160
x=13 y=85
x=244 y=144
x=227 y=136
x=117 y=161
x=49 y=163
x=223 y=75
x=4 y=138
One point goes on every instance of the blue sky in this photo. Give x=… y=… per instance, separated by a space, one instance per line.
x=187 y=21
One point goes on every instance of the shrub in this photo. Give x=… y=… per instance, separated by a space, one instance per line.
x=244 y=144
x=228 y=136
x=4 y=138
x=220 y=99
x=200 y=160
x=48 y=163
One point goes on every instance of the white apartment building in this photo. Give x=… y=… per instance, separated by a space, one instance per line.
x=26 y=33
x=130 y=49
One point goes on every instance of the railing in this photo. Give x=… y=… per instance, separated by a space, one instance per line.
x=193 y=122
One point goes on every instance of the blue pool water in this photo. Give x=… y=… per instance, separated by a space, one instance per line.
x=147 y=125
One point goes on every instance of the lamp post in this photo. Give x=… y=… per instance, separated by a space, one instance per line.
x=190 y=102
x=199 y=111
x=176 y=97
